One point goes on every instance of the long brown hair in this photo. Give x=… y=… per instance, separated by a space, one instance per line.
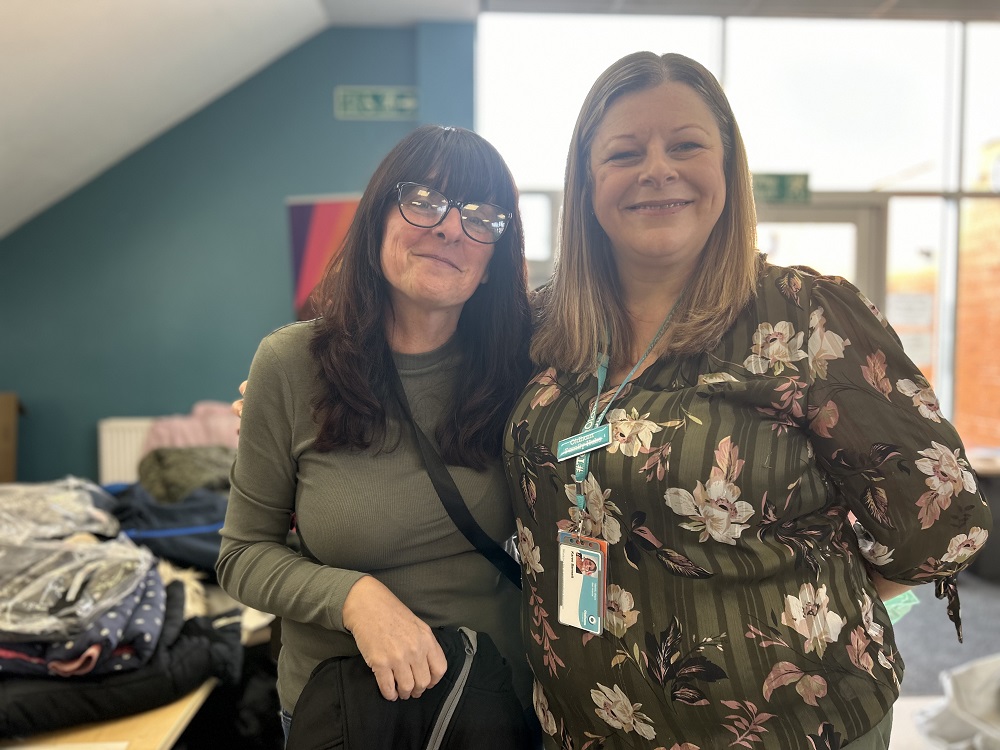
x=353 y=298
x=584 y=300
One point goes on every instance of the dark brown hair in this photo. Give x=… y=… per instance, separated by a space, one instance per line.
x=353 y=300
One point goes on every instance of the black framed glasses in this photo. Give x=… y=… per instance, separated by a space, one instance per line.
x=426 y=207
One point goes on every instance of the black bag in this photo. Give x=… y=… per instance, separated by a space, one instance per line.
x=473 y=706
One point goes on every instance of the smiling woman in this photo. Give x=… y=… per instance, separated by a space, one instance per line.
x=431 y=274
x=710 y=423
x=659 y=184
x=423 y=338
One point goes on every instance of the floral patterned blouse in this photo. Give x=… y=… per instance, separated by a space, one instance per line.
x=739 y=608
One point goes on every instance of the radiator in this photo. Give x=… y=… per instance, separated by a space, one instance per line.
x=119 y=447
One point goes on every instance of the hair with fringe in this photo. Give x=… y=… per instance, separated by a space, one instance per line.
x=584 y=300
x=353 y=301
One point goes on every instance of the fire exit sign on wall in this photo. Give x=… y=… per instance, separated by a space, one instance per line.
x=781 y=188
x=375 y=102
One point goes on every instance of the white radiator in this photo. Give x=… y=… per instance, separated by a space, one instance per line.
x=119 y=447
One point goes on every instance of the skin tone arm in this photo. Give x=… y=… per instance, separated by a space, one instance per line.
x=398 y=646
x=887 y=589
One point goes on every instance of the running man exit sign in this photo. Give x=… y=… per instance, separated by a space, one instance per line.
x=375 y=102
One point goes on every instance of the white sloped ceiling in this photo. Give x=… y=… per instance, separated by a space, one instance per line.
x=83 y=83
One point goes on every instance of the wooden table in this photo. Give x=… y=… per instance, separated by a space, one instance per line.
x=156 y=729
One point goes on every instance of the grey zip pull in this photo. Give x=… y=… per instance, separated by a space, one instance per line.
x=455 y=695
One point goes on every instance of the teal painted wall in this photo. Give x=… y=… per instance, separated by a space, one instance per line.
x=149 y=288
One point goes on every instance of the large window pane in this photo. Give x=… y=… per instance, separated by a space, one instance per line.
x=916 y=237
x=982 y=124
x=533 y=71
x=859 y=105
x=977 y=354
x=830 y=248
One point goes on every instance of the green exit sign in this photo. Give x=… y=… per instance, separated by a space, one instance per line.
x=375 y=102
x=781 y=188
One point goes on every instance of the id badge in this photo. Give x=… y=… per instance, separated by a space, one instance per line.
x=584 y=442
x=582 y=581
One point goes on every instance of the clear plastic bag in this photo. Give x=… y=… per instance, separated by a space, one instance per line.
x=968 y=717
x=50 y=590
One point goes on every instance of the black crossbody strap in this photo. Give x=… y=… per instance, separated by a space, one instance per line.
x=452 y=499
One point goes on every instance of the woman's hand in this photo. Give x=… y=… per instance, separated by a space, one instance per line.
x=237 y=406
x=398 y=646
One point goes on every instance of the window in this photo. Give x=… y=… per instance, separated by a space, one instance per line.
x=982 y=121
x=977 y=356
x=534 y=70
x=844 y=101
x=871 y=107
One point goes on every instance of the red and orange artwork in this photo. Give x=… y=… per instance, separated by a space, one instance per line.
x=318 y=228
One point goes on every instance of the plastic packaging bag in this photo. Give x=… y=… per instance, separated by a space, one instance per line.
x=968 y=717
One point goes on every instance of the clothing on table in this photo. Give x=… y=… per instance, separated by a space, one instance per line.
x=357 y=512
x=121 y=639
x=56 y=589
x=54 y=510
x=187 y=653
x=738 y=607
x=186 y=532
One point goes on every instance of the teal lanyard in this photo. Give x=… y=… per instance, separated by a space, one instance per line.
x=583 y=460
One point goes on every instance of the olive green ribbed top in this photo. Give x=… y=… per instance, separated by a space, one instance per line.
x=358 y=512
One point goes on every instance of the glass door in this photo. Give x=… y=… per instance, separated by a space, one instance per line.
x=837 y=234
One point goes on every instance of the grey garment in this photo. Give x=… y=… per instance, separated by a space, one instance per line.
x=372 y=512
x=50 y=590
x=52 y=510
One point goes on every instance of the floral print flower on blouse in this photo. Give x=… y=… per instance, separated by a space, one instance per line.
x=873 y=628
x=621 y=614
x=948 y=475
x=614 y=707
x=923 y=397
x=715 y=508
x=809 y=615
x=775 y=347
x=630 y=433
x=549 y=388
x=597 y=518
x=541 y=704
x=877 y=554
x=824 y=345
x=530 y=554
x=874 y=371
x=963 y=546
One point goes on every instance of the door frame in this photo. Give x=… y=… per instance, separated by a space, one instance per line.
x=869 y=212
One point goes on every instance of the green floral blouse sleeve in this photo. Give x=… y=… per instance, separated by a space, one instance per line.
x=877 y=429
x=738 y=609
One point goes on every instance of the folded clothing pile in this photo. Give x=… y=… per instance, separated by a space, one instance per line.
x=88 y=630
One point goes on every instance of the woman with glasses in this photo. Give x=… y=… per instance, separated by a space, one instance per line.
x=427 y=294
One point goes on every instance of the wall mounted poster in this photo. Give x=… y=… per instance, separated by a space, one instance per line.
x=318 y=227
